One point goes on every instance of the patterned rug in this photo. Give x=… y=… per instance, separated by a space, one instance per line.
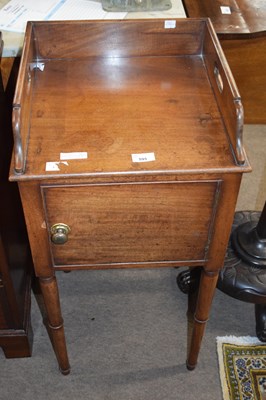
x=242 y=363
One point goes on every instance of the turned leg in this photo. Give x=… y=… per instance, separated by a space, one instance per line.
x=205 y=295
x=55 y=321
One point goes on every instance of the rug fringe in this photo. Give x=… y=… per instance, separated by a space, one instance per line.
x=241 y=340
x=225 y=391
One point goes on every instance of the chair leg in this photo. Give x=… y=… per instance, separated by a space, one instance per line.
x=260 y=315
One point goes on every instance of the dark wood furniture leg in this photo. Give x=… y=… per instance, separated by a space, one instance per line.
x=188 y=282
x=260 y=315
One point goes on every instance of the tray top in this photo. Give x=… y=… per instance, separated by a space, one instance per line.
x=163 y=106
x=116 y=109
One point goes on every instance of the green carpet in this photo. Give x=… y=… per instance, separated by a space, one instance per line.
x=242 y=364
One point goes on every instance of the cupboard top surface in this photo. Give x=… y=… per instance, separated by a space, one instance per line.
x=92 y=114
x=124 y=107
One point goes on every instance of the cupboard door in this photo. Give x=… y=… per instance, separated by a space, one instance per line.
x=131 y=223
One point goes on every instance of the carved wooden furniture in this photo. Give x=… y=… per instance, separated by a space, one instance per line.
x=241 y=28
x=15 y=259
x=244 y=273
x=128 y=152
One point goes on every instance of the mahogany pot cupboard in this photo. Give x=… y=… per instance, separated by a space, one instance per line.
x=128 y=152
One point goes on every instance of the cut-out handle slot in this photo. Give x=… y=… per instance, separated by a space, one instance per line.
x=19 y=159
x=218 y=78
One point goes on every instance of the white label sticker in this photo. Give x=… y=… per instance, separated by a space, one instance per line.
x=170 y=24
x=75 y=155
x=225 y=10
x=143 y=157
x=54 y=165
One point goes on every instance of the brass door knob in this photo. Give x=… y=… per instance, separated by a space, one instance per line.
x=59 y=233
